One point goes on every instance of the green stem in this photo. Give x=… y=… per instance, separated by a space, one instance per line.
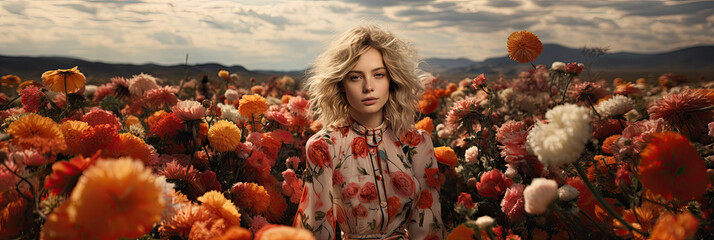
x=565 y=91
x=602 y=201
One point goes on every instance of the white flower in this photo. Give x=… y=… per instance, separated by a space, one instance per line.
x=558 y=66
x=484 y=222
x=472 y=154
x=231 y=95
x=614 y=106
x=632 y=116
x=89 y=90
x=137 y=130
x=459 y=169
x=567 y=193
x=539 y=195
x=563 y=138
x=230 y=113
x=189 y=110
x=142 y=83
x=506 y=94
x=511 y=172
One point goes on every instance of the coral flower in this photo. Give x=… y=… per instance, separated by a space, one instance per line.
x=461 y=233
x=166 y=126
x=141 y=83
x=682 y=226
x=98 y=116
x=64 y=80
x=10 y=80
x=186 y=217
x=123 y=193
x=434 y=178
x=224 y=136
x=99 y=138
x=281 y=232
x=161 y=97
x=251 y=196
x=221 y=206
x=446 y=155
x=252 y=105
x=681 y=111
x=524 y=46
x=425 y=199
x=428 y=103
x=189 y=110
x=670 y=166
x=65 y=173
x=493 y=184
x=31 y=98
x=426 y=124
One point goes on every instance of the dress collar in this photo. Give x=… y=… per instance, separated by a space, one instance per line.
x=372 y=135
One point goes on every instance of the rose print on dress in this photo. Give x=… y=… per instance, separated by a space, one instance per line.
x=368 y=193
x=319 y=153
x=359 y=147
x=403 y=183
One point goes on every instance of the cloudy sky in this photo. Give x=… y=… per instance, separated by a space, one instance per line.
x=287 y=35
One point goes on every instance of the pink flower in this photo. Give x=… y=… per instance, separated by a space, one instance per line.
x=284 y=136
x=635 y=136
x=29 y=157
x=513 y=203
x=368 y=193
x=98 y=116
x=299 y=106
x=258 y=162
x=623 y=175
x=102 y=92
x=141 y=83
x=338 y=178
x=278 y=114
x=478 y=81
x=472 y=154
x=574 y=68
x=292 y=186
x=120 y=87
x=189 y=110
x=680 y=111
x=257 y=223
x=403 y=183
x=161 y=97
x=539 y=195
x=350 y=191
x=59 y=100
x=711 y=129
x=493 y=184
x=465 y=200
x=31 y=96
x=513 y=136
x=255 y=138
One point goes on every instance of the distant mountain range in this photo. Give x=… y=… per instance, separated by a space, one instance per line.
x=694 y=62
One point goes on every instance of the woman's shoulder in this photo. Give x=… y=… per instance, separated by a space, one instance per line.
x=330 y=133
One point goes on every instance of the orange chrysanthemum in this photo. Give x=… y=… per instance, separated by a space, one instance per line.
x=221 y=206
x=609 y=141
x=524 y=46
x=131 y=120
x=236 y=233
x=35 y=131
x=641 y=218
x=670 y=166
x=64 y=80
x=224 y=136
x=683 y=226
x=256 y=89
x=130 y=146
x=626 y=89
x=155 y=117
x=10 y=80
x=252 y=105
x=181 y=223
x=251 y=196
x=281 y=232
x=122 y=192
x=98 y=138
x=446 y=155
x=167 y=126
x=425 y=124
x=461 y=233
x=72 y=131
x=428 y=104
x=278 y=205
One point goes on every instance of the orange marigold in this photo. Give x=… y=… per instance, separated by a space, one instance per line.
x=72 y=132
x=221 y=206
x=683 y=226
x=130 y=146
x=167 y=127
x=181 y=223
x=256 y=89
x=98 y=138
x=35 y=131
x=251 y=196
x=10 y=80
x=670 y=166
x=124 y=193
x=131 y=120
x=64 y=80
x=609 y=141
x=224 y=136
x=524 y=46
x=428 y=104
x=12 y=214
x=252 y=105
x=461 y=233
x=446 y=155
x=425 y=124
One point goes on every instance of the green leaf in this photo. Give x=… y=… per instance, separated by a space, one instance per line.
x=363 y=171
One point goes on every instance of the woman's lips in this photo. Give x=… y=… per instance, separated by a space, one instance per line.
x=369 y=101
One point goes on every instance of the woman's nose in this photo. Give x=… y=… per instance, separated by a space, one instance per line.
x=368 y=86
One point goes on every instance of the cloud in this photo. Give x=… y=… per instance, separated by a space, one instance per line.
x=15 y=7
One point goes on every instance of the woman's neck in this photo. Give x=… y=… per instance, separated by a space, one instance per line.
x=370 y=121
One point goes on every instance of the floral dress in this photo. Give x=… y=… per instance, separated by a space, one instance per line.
x=372 y=183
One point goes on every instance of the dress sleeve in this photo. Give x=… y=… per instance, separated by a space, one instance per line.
x=426 y=222
x=315 y=212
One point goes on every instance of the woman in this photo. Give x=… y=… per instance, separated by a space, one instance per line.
x=359 y=173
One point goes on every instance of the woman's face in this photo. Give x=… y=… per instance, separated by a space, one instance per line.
x=367 y=87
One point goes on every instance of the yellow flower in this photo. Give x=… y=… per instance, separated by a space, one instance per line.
x=123 y=194
x=224 y=75
x=25 y=84
x=524 y=46
x=224 y=136
x=64 y=80
x=223 y=207
x=72 y=131
x=252 y=105
x=257 y=89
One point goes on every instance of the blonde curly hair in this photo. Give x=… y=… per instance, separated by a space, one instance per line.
x=324 y=83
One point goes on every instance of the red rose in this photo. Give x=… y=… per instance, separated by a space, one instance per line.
x=368 y=193
x=403 y=183
x=319 y=153
x=359 y=147
x=412 y=138
x=425 y=199
x=465 y=200
x=350 y=191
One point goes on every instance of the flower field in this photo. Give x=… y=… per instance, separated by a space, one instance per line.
x=549 y=154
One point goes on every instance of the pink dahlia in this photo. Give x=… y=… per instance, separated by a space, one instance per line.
x=31 y=97
x=189 y=110
x=465 y=112
x=98 y=116
x=635 y=137
x=493 y=184
x=161 y=97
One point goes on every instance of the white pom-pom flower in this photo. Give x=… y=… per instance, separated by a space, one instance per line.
x=614 y=106
x=563 y=138
x=539 y=195
x=484 y=222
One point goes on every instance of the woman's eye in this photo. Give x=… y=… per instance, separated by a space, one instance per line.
x=354 y=78
x=379 y=75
